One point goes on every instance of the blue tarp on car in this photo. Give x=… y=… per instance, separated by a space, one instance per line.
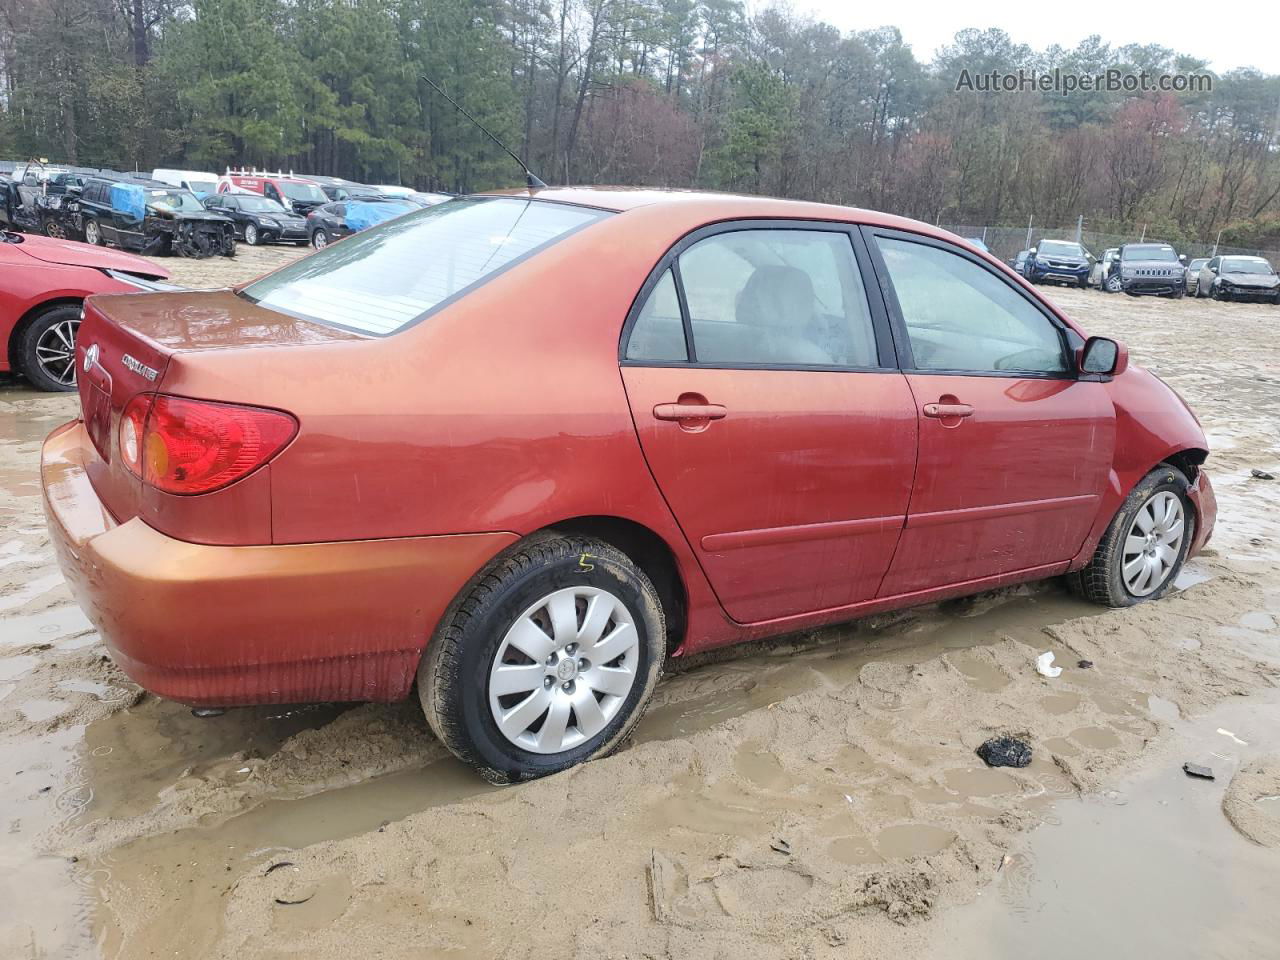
x=129 y=198
x=362 y=214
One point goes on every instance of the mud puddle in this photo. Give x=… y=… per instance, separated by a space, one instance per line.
x=1189 y=885
x=705 y=690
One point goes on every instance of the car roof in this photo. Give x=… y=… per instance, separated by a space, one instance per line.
x=713 y=206
x=1243 y=256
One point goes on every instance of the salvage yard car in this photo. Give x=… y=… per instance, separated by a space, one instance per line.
x=522 y=447
x=257 y=219
x=1193 y=274
x=152 y=218
x=43 y=284
x=1238 y=278
x=1147 y=268
x=333 y=221
x=1058 y=261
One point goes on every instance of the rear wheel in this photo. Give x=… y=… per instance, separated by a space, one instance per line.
x=547 y=659
x=1144 y=547
x=47 y=349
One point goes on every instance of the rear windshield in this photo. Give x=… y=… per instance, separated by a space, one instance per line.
x=383 y=279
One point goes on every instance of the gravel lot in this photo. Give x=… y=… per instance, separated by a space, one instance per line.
x=816 y=796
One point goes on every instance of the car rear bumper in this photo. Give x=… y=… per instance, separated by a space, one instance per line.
x=1206 y=505
x=222 y=626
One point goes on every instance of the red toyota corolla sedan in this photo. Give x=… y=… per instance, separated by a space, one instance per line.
x=523 y=447
x=43 y=283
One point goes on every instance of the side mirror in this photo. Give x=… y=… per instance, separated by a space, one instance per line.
x=1104 y=357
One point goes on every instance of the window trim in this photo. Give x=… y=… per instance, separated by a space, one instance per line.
x=902 y=339
x=886 y=354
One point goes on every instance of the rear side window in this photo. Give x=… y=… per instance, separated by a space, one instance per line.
x=761 y=297
x=962 y=317
x=659 y=330
x=383 y=279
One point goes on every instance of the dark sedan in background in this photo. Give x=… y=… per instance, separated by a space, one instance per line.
x=258 y=219
x=333 y=221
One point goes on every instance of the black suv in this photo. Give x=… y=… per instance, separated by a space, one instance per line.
x=150 y=217
x=1147 y=268
x=258 y=219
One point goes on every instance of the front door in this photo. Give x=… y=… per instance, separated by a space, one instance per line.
x=1015 y=451
x=771 y=413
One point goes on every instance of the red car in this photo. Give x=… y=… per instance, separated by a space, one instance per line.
x=43 y=283
x=523 y=447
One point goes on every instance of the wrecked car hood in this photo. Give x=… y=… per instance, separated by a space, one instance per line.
x=74 y=254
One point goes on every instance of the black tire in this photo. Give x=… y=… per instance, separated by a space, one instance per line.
x=453 y=678
x=45 y=375
x=251 y=235
x=1082 y=282
x=1101 y=580
x=320 y=239
x=92 y=232
x=1215 y=293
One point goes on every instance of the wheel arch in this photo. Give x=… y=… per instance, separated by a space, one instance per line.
x=651 y=554
x=30 y=317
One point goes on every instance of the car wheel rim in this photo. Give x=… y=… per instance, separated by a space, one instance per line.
x=1153 y=544
x=564 y=670
x=321 y=241
x=91 y=232
x=56 y=351
x=251 y=235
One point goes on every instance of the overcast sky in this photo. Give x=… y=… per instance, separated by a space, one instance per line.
x=1227 y=35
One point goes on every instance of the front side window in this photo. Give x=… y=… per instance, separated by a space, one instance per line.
x=383 y=279
x=777 y=297
x=962 y=317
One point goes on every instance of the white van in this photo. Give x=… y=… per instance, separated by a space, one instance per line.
x=197 y=181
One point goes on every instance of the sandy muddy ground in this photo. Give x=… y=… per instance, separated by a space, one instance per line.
x=813 y=797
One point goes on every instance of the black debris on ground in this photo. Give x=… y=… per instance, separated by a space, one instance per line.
x=1005 y=752
x=1196 y=770
x=1261 y=474
x=1085 y=664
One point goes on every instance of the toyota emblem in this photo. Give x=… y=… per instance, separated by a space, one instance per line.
x=91 y=357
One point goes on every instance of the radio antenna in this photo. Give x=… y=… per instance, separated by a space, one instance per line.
x=530 y=179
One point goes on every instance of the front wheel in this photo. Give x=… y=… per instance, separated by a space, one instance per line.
x=47 y=349
x=251 y=236
x=92 y=232
x=1112 y=285
x=546 y=660
x=1144 y=547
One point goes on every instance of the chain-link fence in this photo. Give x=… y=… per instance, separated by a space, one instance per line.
x=1005 y=242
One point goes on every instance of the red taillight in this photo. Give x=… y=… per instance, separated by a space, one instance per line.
x=197 y=446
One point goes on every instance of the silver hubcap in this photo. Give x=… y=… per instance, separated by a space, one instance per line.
x=564 y=669
x=321 y=240
x=56 y=351
x=1153 y=544
x=91 y=232
x=251 y=234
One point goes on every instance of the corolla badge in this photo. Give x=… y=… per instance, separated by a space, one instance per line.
x=91 y=356
x=138 y=367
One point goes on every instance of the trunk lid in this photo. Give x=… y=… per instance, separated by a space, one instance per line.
x=132 y=343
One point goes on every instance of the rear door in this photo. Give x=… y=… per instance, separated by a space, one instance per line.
x=1014 y=450
x=772 y=414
